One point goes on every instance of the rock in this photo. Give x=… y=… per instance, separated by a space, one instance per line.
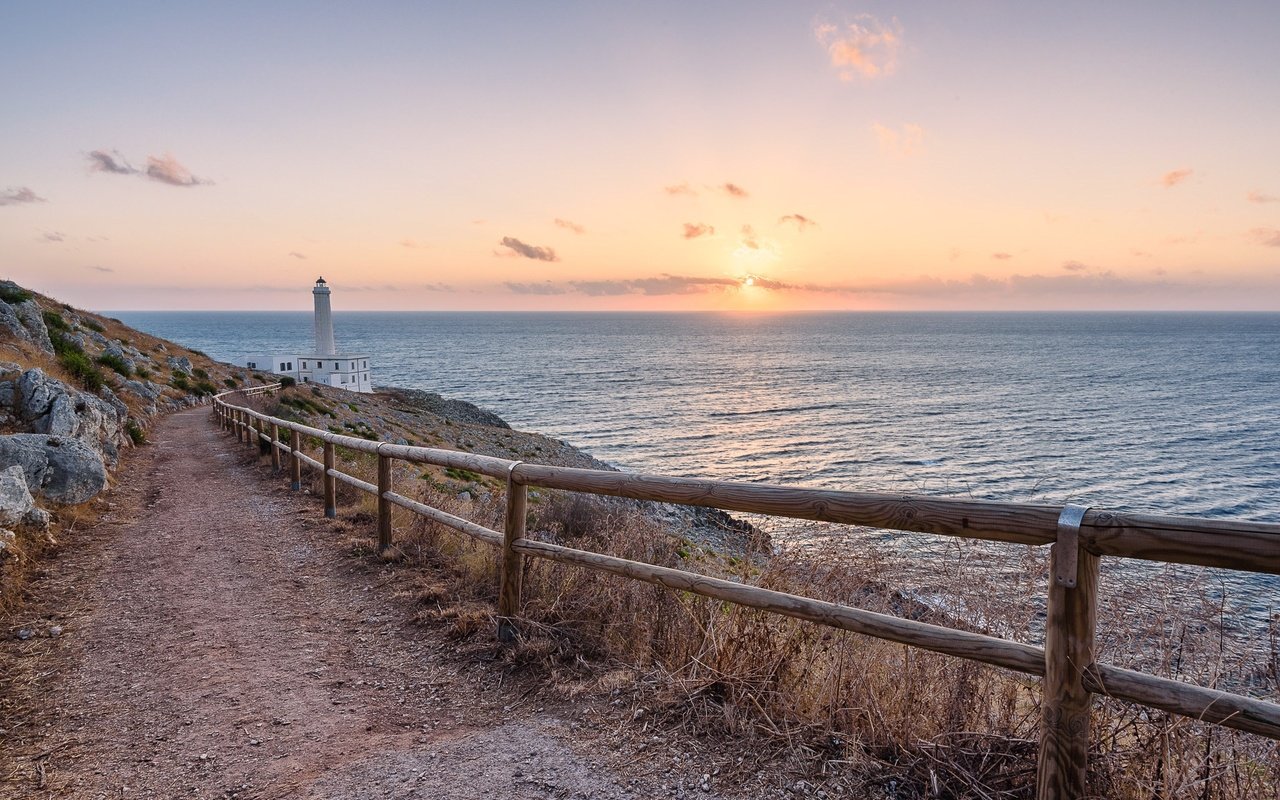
x=25 y=321
x=16 y=502
x=179 y=364
x=464 y=496
x=25 y=634
x=47 y=405
x=7 y=538
x=55 y=631
x=62 y=470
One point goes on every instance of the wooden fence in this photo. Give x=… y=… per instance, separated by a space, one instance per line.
x=1079 y=537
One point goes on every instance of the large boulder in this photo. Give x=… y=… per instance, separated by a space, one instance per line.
x=25 y=322
x=17 y=506
x=180 y=364
x=61 y=469
x=47 y=405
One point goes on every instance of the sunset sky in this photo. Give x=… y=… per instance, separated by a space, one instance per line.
x=772 y=156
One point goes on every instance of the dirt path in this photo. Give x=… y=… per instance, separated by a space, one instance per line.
x=224 y=647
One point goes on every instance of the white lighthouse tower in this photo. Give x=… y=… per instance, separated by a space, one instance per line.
x=324 y=319
x=324 y=365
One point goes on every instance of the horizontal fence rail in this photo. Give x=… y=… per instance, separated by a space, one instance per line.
x=1078 y=537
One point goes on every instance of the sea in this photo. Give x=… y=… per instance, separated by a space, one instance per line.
x=1173 y=413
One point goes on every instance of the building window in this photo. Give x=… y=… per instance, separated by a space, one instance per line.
x=282 y=366
x=319 y=365
x=304 y=365
x=364 y=364
x=252 y=365
x=306 y=380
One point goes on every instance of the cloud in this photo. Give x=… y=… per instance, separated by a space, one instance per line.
x=573 y=226
x=1175 y=177
x=802 y=222
x=1002 y=256
x=1075 y=266
x=97 y=268
x=412 y=244
x=113 y=162
x=162 y=169
x=529 y=250
x=1258 y=197
x=866 y=48
x=681 y=188
x=298 y=255
x=54 y=236
x=692 y=230
x=166 y=169
x=1266 y=236
x=659 y=285
x=903 y=144
x=734 y=190
x=544 y=288
x=749 y=238
x=12 y=197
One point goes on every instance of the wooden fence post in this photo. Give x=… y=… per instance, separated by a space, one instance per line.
x=330 y=482
x=1068 y=651
x=295 y=463
x=275 y=449
x=512 y=561
x=384 y=505
x=264 y=447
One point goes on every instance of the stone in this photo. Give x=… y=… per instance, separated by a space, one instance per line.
x=179 y=364
x=47 y=405
x=60 y=469
x=32 y=318
x=16 y=502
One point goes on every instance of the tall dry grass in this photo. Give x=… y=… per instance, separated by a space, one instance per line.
x=869 y=715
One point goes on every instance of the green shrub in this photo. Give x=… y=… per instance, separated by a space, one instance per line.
x=136 y=434
x=204 y=387
x=116 y=363
x=315 y=390
x=54 y=321
x=287 y=382
x=199 y=373
x=93 y=325
x=14 y=294
x=462 y=474
x=179 y=381
x=82 y=369
x=142 y=372
x=230 y=383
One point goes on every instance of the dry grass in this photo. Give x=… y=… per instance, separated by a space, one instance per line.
x=855 y=712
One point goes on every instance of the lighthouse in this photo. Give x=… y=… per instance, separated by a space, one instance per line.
x=324 y=364
x=324 y=319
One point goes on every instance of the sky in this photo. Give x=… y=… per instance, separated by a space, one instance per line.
x=658 y=156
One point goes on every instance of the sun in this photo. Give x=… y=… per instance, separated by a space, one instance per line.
x=749 y=281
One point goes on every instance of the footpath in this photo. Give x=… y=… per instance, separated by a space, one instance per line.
x=213 y=640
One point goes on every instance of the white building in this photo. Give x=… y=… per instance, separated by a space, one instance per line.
x=324 y=364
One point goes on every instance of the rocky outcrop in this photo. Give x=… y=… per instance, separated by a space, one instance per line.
x=17 y=506
x=25 y=321
x=62 y=470
x=42 y=404
x=180 y=364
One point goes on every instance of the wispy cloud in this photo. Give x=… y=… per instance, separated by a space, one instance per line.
x=749 y=238
x=866 y=48
x=166 y=169
x=297 y=255
x=904 y=143
x=97 y=268
x=113 y=162
x=801 y=221
x=13 y=197
x=411 y=244
x=543 y=288
x=528 y=250
x=1002 y=256
x=678 y=189
x=1266 y=236
x=659 y=285
x=692 y=230
x=1075 y=266
x=162 y=169
x=734 y=190
x=1258 y=197
x=572 y=226
x=53 y=236
x=1174 y=177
